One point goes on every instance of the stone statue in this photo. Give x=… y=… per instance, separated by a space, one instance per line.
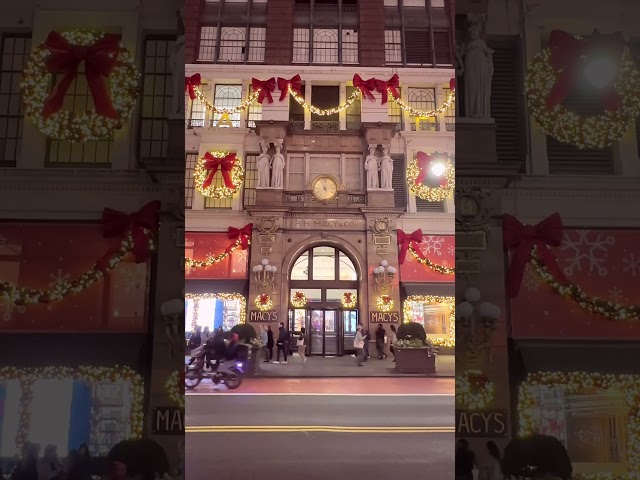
x=386 y=169
x=263 y=164
x=459 y=67
x=478 y=72
x=371 y=165
x=177 y=69
x=277 y=167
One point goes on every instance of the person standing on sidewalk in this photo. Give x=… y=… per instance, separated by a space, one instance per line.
x=301 y=345
x=270 y=343
x=283 y=337
x=264 y=339
x=393 y=337
x=359 y=343
x=367 y=336
x=381 y=336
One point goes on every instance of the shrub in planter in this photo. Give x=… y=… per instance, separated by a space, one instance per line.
x=144 y=458
x=536 y=455
x=408 y=331
x=245 y=332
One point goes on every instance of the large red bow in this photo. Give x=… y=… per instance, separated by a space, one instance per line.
x=243 y=234
x=365 y=87
x=141 y=225
x=392 y=84
x=265 y=87
x=522 y=238
x=567 y=59
x=99 y=61
x=190 y=83
x=406 y=240
x=295 y=84
x=225 y=164
x=452 y=84
x=423 y=160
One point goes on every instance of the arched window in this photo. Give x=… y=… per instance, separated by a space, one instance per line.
x=324 y=263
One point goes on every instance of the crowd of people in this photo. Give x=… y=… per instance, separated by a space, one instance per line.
x=78 y=465
x=468 y=466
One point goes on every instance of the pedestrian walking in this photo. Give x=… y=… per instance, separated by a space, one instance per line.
x=282 y=343
x=465 y=460
x=301 y=345
x=393 y=337
x=270 y=343
x=264 y=339
x=49 y=466
x=367 y=336
x=381 y=339
x=359 y=343
x=493 y=467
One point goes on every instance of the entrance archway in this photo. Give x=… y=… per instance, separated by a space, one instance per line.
x=324 y=273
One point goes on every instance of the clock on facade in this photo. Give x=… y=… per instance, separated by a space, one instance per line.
x=324 y=189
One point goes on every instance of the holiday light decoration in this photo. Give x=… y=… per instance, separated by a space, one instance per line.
x=417 y=254
x=584 y=131
x=324 y=111
x=112 y=78
x=384 y=303
x=174 y=387
x=349 y=300
x=228 y=111
x=225 y=297
x=86 y=374
x=299 y=300
x=423 y=113
x=263 y=302
x=417 y=172
x=625 y=386
x=448 y=302
x=230 y=168
x=241 y=238
x=474 y=391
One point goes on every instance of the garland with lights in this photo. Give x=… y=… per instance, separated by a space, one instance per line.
x=174 y=387
x=384 y=303
x=139 y=230
x=349 y=300
x=241 y=238
x=449 y=302
x=552 y=75
x=263 y=302
x=225 y=111
x=424 y=113
x=627 y=386
x=87 y=374
x=419 y=256
x=230 y=168
x=196 y=297
x=299 y=300
x=474 y=390
x=112 y=79
x=418 y=171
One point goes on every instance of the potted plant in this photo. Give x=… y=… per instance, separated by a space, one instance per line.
x=415 y=353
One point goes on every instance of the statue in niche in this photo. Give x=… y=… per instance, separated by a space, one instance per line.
x=177 y=68
x=478 y=73
x=277 y=167
x=372 y=166
x=386 y=169
x=264 y=164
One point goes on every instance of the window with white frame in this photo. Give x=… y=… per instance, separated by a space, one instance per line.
x=257 y=42
x=250 y=180
x=393 y=47
x=349 y=46
x=354 y=111
x=189 y=184
x=300 y=45
x=232 y=44
x=325 y=45
x=396 y=114
x=207 y=50
x=422 y=99
x=450 y=112
x=227 y=96
x=254 y=111
x=197 y=110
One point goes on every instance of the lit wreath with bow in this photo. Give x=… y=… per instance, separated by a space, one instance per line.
x=436 y=188
x=299 y=300
x=230 y=169
x=474 y=390
x=112 y=81
x=349 y=300
x=554 y=73
x=263 y=302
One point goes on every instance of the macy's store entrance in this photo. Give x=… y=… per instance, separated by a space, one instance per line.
x=327 y=279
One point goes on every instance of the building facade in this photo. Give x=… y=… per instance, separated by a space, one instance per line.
x=290 y=88
x=80 y=314
x=540 y=369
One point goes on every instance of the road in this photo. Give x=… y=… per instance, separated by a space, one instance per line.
x=318 y=436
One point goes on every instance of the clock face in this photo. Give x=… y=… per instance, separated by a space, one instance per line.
x=324 y=188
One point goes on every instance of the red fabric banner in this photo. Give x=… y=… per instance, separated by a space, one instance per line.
x=199 y=245
x=440 y=249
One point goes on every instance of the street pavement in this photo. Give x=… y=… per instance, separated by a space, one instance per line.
x=274 y=429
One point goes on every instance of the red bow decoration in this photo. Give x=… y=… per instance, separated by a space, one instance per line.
x=295 y=83
x=244 y=234
x=190 y=83
x=264 y=299
x=452 y=84
x=392 y=84
x=522 y=238
x=299 y=295
x=265 y=87
x=424 y=161
x=365 y=87
x=115 y=223
x=99 y=61
x=567 y=59
x=404 y=241
x=225 y=164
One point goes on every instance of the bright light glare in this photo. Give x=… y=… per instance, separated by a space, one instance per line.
x=51 y=414
x=438 y=169
x=600 y=72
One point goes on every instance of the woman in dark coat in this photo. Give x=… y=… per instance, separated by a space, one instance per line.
x=270 y=343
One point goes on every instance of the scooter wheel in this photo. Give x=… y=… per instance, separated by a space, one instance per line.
x=233 y=381
x=192 y=380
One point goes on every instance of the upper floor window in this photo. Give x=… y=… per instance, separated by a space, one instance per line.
x=422 y=99
x=325 y=96
x=396 y=114
x=227 y=96
x=393 y=47
x=189 y=183
x=450 y=113
x=232 y=44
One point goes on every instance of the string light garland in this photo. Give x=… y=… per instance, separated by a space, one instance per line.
x=428 y=263
x=626 y=386
x=384 y=303
x=174 y=387
x=118 y=96
x=424 y=113
x=328 y=111
x=228 y=111
x=349 y=300
x=241 y=239
x=431 y=194
x=474 y=391
x=448 y=302
x=299 y=300
x=593 y=131
x=86 y=374
x=203 y=177
x=225 y=297
x=263 y=302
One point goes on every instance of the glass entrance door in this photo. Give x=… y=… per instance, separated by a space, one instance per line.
x=324 y=332
x=349 y=326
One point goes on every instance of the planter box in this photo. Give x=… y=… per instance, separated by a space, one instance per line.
x=415 y=360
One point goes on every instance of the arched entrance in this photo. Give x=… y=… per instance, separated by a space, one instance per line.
x=324 y=273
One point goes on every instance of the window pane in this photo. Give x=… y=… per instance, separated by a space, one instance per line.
x=347 y=269
x=423 y=99
x=325 y=46
x=298 y=319
x=188 y=314
x=9 y=417
x=214 y=313
x=324 y=263
x=335 y=294
x=232 y=43
x=312 y=294
x=300 y=270
x=51 y=414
